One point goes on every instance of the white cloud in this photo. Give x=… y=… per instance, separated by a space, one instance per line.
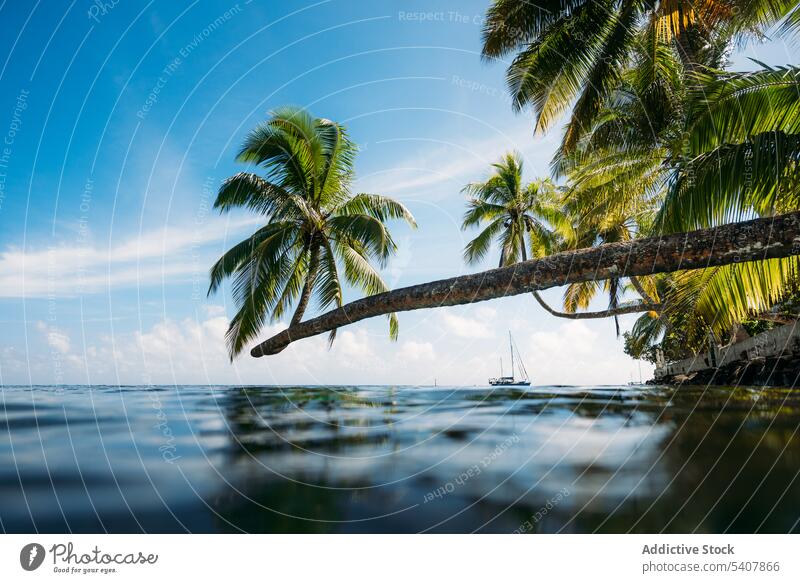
x=572 y=339
x=56 y=339
x=465 y=327
x=354 y=348
x=576 y=354
x=193 y=351
x=415 y=351
x=213 y=310
x=441 y=161
x=149 y=258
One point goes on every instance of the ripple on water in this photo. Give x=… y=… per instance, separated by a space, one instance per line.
x=287 y=459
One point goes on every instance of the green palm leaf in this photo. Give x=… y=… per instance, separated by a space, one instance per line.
x=313 y=223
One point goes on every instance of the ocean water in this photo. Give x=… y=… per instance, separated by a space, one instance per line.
x=399 y=459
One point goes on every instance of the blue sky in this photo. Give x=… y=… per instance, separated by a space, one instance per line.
x=120 y=119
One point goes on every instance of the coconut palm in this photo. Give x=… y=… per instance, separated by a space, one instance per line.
x=639 y=135
x=685 y=251
x=575 y=51
x=742 y=150
x=513 y=212
x=736 y=157
x=551 y=221
x=317 y=234
x=713 y=302
x=724 y=148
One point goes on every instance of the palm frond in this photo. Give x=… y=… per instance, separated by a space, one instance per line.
x=733 y=182
x=379 y=207
x=477 y=249
x=278 y=235
x=731 y=108
x=578 y=296
x=553 y=68
x=293 y=284
x=511 y=24
x=479 y=211
x=367 y=230
x=723 y=296
x=362 y=275
x=493 y=190
x=249 y=190
x=791 y=24
x=328 y=287
x=604 y=74
x=256 y=289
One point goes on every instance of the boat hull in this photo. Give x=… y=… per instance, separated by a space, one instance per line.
x=501 y=383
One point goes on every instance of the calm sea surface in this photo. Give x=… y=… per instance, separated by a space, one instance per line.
x=398 y=459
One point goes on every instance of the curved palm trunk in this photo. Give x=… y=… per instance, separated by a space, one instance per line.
x=308 y=286
x=622 y=309
x=613 y=288
x=746 y=241
x=637 y=285
x=629 y=308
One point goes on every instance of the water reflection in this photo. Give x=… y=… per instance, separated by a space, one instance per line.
x=400 y=459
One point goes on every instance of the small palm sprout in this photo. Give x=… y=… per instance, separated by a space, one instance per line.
x=315 y=231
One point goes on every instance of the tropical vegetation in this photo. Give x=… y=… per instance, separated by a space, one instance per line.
x=317 y=235
x=661 y=138
x=518 y=215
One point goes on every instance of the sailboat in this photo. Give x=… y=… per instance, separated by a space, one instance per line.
x=511 y=381
x=640 y=383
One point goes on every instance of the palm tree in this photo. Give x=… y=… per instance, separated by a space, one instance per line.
x=714 y=302
x=742 y=152
x=648 y=137
x=576 y=51
x=732 y=154
x=551 y=222
x=315 y=230
x=724 y=245
x=513 y=212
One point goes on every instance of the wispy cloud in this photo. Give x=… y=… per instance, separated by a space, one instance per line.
x=145 y=259
x=440 y=162
x=56 y=339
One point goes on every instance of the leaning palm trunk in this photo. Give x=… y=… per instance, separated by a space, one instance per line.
x=746 y=241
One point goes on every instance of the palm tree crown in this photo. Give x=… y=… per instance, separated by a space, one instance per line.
x=315 y=228
x=513 y=211
x=574 y=52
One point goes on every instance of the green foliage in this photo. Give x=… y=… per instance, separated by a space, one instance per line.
x=575 y=52
x=661 y=139
x=742 y=150
x=316 y=229
x=713 y=301
x=676 y=342
x=514 y=212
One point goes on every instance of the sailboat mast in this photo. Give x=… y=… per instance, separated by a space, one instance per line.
x=511 y=348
